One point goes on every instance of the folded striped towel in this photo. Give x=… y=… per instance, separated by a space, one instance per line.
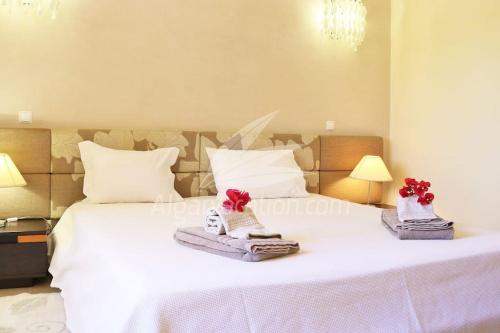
x=241 y=225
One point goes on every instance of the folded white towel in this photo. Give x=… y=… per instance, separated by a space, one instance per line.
x=213 y=222
x=242 y=225
x=409 y=209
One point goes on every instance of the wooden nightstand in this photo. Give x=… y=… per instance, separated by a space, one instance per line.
x=384 y=206
x=23 y=253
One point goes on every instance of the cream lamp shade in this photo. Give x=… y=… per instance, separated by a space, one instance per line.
x=371 y=168
x=9 y=175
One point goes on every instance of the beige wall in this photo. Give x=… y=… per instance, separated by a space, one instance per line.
x=205 y=64
x=445 y=78
x=193 y=64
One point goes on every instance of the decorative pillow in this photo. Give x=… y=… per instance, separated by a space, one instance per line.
x=262 y=173
x=113 y=176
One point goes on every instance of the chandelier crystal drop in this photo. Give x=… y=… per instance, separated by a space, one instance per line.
x=345 y=20
x=40 y=7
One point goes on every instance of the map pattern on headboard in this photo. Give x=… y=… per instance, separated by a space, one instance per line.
x=50 y=161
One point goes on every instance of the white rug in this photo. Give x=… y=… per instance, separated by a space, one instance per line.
x=32 y=313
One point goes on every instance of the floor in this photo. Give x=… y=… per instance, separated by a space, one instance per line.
x=35 y=309
x=41 y=286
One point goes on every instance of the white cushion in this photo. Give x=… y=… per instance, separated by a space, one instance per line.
x=113 y=176
x=262 y=173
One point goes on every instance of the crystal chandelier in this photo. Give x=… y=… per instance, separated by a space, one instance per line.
x=41 y=7
x=345 y=20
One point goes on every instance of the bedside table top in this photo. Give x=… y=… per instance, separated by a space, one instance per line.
x=25 y=227
x=384 y=206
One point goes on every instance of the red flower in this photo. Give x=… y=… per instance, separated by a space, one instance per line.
x=426 y=199
x=411 y=182
x=237 y=200
x=419 y=189
x=404 y=192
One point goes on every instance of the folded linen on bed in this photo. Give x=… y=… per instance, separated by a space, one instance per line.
x=418 y=230
x=213 y=222
x=242 y=249
x=242 y=225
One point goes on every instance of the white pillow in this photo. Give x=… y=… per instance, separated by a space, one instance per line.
x=128 y=176
x=262 y=173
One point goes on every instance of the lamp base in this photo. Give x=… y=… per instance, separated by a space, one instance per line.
x=369 y=193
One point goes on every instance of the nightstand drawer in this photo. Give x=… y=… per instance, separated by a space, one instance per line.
x=32 y=239
x=23 y=260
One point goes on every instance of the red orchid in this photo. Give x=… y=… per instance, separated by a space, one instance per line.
x=410 y=181
x=404 y=192
x=415 y=188
x=426 y=199
x=237 y=200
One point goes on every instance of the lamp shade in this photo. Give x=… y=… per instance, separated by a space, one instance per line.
x=371 y=168
x=9 y=175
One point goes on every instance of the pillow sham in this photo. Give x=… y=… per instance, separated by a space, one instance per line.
x=113 y=176
x=262 y=173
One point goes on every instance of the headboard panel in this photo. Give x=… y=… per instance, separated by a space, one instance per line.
x=65 y=189
x=66 y=155
x=339 y=156
x=50 y=162
x=30 y=150
x=307 y=147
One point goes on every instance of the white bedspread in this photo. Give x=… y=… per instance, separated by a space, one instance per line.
x=121 y=271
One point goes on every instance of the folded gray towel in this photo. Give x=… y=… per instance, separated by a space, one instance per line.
x=420 y=230
x=391 y=216
x=246 y=250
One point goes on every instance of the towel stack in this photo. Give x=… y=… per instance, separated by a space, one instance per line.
x=236 y=235
x=235 y=248
x=412 y=220
x=435 y=228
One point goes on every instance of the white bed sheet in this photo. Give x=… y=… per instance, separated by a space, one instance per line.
x=120 y=270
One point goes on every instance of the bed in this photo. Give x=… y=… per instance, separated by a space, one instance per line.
x=120 y=270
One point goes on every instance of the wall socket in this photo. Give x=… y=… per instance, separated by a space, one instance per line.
x=25 y=117
x=330 y=125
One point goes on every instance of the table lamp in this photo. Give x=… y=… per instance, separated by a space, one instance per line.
x=372 y=169
x=9 y=176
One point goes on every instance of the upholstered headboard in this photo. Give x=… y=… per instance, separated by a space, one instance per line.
x=50 y=162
